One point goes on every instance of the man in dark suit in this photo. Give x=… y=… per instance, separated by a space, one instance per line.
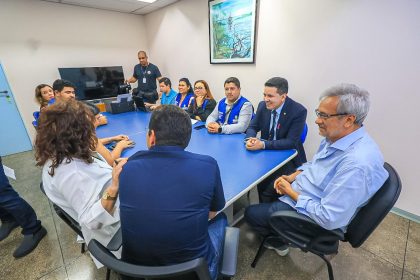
x=281 y=121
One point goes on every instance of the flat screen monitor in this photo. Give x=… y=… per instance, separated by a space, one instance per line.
x=94 y=82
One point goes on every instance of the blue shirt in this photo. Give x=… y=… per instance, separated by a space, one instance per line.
x=168 y=99
x=340 y=179
x=165 y=195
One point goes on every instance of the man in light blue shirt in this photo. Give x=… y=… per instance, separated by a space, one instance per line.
x=343 y=175
x=168 y=94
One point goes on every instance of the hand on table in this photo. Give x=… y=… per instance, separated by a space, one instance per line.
x=254 y=144
x=213 y=127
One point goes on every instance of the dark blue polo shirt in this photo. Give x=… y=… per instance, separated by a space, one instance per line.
x=166 y=194
x=146 y=77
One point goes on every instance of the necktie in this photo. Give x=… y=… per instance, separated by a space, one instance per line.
x=273 y=126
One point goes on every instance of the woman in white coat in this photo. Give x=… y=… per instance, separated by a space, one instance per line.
x=76 y=178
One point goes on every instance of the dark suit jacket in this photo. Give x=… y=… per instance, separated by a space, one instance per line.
x=292 y=121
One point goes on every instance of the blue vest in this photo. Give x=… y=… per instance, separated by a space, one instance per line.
x=234 y=112
x=186 y=101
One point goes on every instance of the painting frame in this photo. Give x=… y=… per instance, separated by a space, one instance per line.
x=232 y=31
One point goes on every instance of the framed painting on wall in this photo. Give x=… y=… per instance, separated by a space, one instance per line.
x=232 y=31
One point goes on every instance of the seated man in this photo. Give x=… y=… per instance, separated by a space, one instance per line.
x=343 y=175
x=168 y=195
x=233 y=113
x=64 y=91
x=281 y=121
x=168 y=95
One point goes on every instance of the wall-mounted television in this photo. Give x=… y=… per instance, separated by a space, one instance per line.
x=94 y=82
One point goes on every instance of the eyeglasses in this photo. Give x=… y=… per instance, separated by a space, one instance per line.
x=327 y=116
x=198 y=88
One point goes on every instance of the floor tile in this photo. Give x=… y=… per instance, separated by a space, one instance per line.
x=349 y=264
x=412 y=258
x=357 y=263
x=271 y=266
x=70 y=249
x=84 y=268
x=408 y=276
x=389 y=239
x=45 y=258
x=58 y=274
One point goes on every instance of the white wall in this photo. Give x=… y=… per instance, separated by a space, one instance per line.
x=38 y=37
x=316 y=44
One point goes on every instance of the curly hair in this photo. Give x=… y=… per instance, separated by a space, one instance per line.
x=65 y=131
x=38 y=95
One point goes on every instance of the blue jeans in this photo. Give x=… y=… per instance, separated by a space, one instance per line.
x=15 y=208
x=217 y=228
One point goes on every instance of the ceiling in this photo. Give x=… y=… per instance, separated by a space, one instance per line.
x=124 y=6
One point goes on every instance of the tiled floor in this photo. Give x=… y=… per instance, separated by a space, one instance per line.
x=392 y=252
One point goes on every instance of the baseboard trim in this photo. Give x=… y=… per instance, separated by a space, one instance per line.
x=406 y=214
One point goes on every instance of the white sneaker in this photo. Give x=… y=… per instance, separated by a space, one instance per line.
x=282 y=251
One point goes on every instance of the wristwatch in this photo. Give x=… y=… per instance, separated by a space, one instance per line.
x=107 y=196
x=219 y=129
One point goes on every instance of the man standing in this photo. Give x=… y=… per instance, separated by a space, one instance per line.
x=233 y=113
x=343 y=175
x=168 y=94
x=146 y=74
x=16 y=212
x=164 y=216
x=281 y=121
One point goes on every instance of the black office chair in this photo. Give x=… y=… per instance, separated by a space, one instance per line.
x=66 y=218
x=306 y=235
x=194 y=269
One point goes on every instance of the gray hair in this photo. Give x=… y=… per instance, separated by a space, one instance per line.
x=352 y=100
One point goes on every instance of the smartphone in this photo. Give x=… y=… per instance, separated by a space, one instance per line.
x=200 y=126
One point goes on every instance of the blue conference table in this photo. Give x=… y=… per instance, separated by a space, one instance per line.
x=240 y=169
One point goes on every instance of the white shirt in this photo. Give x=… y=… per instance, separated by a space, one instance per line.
x=77 y=188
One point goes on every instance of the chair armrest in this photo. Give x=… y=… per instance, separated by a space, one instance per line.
x=116 y=241
x=230 y=252
x=305 y=220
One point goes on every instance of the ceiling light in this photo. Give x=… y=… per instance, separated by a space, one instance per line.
x=147 y=1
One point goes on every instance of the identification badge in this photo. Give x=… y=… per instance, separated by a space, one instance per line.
x=144 y=80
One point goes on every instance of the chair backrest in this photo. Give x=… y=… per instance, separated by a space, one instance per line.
x=64 y=216
x=196 y=269
x=36 y=115
x=304 y=133
x=370 y=215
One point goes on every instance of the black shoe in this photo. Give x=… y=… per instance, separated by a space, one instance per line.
x=6 y=228
x=29 y=243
